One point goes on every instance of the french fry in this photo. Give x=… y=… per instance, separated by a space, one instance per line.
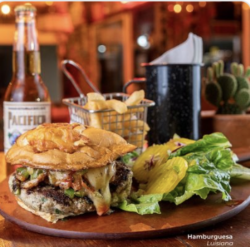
x=123 y=132
x=136 y=109
x=110 y=122
x=95 y=96
x=96 y=105
x=131 y=124
x=137 y=139
x=124 y=117
x=130 y=114
x=117 y=105
x=135 y=98
x=123 y=121
x=135 y=125
x=96 y=118
x=143 y=125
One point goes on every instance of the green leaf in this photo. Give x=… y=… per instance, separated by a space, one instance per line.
x=208 y=142
x=178 y=195
x=240 y=171
x=210 y=164
x=129 y=158
x=222 y=158
x=202 y=184
x=147 y=204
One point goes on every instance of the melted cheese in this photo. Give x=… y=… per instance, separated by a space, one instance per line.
x=99 y=178
x=97 y=188
x=55 y=176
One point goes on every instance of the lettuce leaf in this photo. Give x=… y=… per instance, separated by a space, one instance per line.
x=211 y=164
x=144 y=204
x=240 y=172
x=178 y=195
x=207 y=143
x=129 y=158
x=208 y=172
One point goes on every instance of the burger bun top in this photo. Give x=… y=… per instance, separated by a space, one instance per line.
x=63 y=146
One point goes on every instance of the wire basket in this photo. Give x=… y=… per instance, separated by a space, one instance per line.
x=131 y=125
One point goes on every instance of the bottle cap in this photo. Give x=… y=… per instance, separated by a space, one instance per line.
x=25 y=7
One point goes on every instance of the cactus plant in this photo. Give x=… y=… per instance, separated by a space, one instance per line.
x=228 y=86
x=230 y=93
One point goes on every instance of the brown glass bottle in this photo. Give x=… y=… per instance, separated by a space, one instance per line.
x=27 y=101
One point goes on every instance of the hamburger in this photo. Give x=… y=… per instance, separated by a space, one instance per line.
x=69 y=169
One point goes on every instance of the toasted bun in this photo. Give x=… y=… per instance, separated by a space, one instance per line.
x=64 y=146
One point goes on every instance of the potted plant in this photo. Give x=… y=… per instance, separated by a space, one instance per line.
x=230 y=93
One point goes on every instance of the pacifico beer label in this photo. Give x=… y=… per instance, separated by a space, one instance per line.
x=20 y=117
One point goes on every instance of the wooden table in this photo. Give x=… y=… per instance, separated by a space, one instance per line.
x=237 y=227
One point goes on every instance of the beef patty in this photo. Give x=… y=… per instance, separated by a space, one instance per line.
x=50 y=199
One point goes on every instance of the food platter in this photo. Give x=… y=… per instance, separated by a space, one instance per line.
x=192 y=215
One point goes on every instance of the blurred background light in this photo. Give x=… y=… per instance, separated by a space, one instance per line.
x=5 y=9
x=189 y=8
x=177 y=8
x=143 y=42
x=202 y=4
x=49 y=3
x=102 y=48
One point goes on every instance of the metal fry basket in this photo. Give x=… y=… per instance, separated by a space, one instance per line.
x=131 y=125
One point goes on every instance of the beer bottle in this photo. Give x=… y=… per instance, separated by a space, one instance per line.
x=26 y=101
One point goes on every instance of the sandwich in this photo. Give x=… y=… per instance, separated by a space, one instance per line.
x=69 y=169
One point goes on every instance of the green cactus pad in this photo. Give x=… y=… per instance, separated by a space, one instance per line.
x=216 y=70
x=210 y=74
x=229 y=109
x=213 y=93
x=228 y=86
x=240 y=70
x=242 y=83
x=234 y=69
x=242 y=98
x=221 y=67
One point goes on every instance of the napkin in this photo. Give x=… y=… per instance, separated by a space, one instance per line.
x=189 y=52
